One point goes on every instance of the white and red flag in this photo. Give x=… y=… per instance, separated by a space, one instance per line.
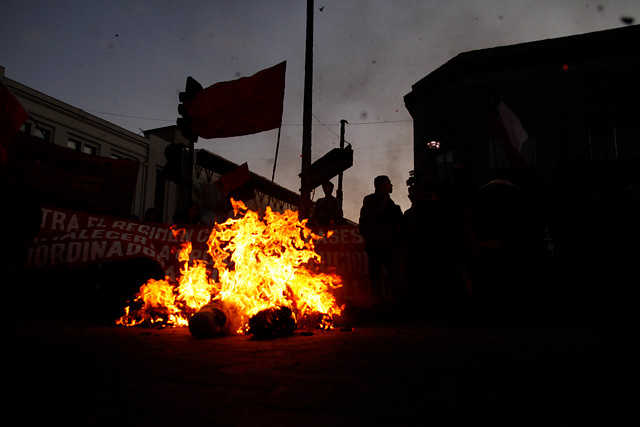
x=509 y=130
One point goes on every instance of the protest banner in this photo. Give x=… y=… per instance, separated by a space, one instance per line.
x=343 y=252
x=72 y=240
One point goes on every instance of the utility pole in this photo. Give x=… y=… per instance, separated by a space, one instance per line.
x=305 y=192
x=339 y=193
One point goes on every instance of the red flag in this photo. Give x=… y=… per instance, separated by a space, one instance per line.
x=12 y=116
x=234 y=179
x=239 y=107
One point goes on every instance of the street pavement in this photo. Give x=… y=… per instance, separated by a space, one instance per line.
x=366 y=371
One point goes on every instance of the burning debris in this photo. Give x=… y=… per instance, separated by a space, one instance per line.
x=268 y=282
x=272 y=323
x=211 y=321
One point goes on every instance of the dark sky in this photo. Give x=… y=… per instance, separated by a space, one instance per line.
x=126 y=61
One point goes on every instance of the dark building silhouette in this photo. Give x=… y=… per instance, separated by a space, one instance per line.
x=578 y=98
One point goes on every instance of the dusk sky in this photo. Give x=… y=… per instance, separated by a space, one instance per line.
x=126 y=61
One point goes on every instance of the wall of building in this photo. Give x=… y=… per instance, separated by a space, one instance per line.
x=68 y=126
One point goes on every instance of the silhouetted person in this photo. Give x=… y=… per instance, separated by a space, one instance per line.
x=414 y=237
x=571 y=217
x=20 y=217
x=380 y=222
x=193 y=213
x=614 y=254
x=501 y=248
x=595 y=229
x=152 y=214
x=459 y=190
x=327 y=210
x=429 y=238
x=188 y=216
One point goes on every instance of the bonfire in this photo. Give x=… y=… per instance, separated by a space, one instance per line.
x=266 y=280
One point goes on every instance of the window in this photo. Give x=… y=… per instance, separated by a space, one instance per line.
x=117 y=156
x=83 y=147
x=444 y=163
x=613 y=142
x=43 y=133
x=90 y=149
x=39 y=131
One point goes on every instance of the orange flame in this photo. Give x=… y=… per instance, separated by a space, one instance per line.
x=261 y=262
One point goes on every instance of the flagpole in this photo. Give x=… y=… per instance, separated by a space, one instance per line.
x=305 y=191
x=275 y=161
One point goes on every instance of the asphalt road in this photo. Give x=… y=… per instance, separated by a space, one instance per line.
x=368 y=372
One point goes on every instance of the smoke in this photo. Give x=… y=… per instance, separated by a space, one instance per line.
x=367 y=54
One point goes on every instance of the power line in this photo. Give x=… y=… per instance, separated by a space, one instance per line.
x=320 y=123
x=127 y=116
x=382 y=122
x=396 y=147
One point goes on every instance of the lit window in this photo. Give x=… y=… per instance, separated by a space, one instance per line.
x=43 y=133
x=90 y=149
x=39 y=131
x=83 y=147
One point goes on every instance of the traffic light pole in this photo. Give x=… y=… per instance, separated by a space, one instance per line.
x=305 y=191
x=192 y=88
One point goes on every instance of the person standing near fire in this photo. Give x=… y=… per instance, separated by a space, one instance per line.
x=380 y=222
x=328 y=211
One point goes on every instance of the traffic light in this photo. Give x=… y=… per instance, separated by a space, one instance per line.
x=191 y=90
x=174 y=168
